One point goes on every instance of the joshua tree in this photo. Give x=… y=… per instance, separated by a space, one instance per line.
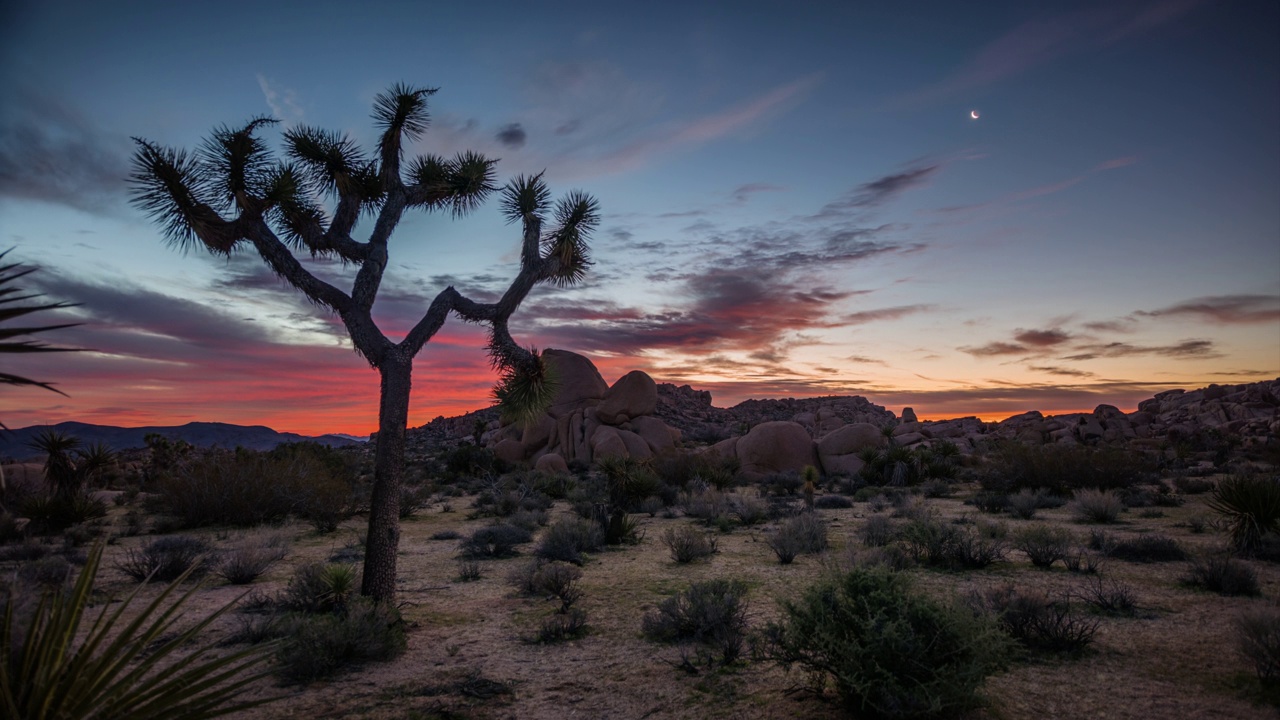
x=233 y=193
x=11 y=338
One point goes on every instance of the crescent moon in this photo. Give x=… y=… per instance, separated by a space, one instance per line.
x=974 y=114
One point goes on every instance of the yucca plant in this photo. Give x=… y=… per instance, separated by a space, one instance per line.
x=12 y=339
x=1251 y=506
x=120 y=668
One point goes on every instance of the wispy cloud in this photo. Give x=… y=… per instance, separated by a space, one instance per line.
x=283 y=102
x=1185 y=350
x=1230 y=309
x=888 y=313
x=878 y=192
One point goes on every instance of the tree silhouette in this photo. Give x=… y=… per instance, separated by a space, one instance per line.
x=233 y=192
x=16 y=339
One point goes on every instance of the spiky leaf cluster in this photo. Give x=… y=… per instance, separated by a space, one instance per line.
x=16 y=339
x=525 y=389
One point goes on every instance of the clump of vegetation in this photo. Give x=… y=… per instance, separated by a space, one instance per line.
x=1097 y=506
x=319 y=646
x=167 y=558
x=320 y=588
x=568 y=538
x=51 y=669
x=559 y=627
x=877 y=531
x=803 y=534
x=1223 y=575
x=494 y=541
x=1250 y=504
x=1043 y=545
x=898 y=466
x=1061 y=469
x=864 y=631
x=1258 y=639
x=1038 y=621
x=243 y=564
x=1142 y=549
x=712 y=612
x=931 y=541
x=1024 y=503
x=688 y=543
x=1110 y=597
x=990 y=502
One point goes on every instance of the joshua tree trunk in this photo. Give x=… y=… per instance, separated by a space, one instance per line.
x=388 y=470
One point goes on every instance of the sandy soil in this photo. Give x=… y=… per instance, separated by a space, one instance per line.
x=469 y=640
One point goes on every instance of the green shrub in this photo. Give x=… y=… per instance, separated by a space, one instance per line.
x=1224 y=576
x=1147 y=549
x=1110 y=597
x=749 y=510
x=877 y=531
x=832 y=502
x=890 y=650
x=166 y=558
x=930 y=541
x=243 y=565
x=117 y=670
x=320 y=646
x=1097 y=506
x=560 y=627
x=1043 y=545
x=688 y=543
x=559 y=580
x=1250 y=504
x=495 y=541
x=246 y=488
x=320 y=588
x=1258 y=640
x=1040 y=622
x=803 y=534
x=1024 y=503
x=712 y=612
x=468 y=570
x=568 y=538
x=54 y=513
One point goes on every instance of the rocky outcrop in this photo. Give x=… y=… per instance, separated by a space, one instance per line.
x=776 y=446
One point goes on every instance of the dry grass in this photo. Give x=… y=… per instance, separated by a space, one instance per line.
x=470 y=656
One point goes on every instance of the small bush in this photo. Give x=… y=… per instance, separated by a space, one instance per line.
x=932 y=542
x=1110 y=597
x=1043 y=545
x=49 y=572
x=935 y=488
x=1097 y=506
x=494 y=541
x=1080 y=560
x=1040 y=622
x=990 y=502
x=560 y=580
x=688 y=543
x=320 y=646
x=832 y=502
x=1024 y=503
x=1258 y=640
x=243 y=565
x=166 y=558
x=468 y=571
x=568 y=538
x=1147 y=549
x=320 y=588
x=891 y=557
x=524 y=577
x=560 y=627
x=877 y=531
x=1060 y=469
x=1193 y=486
x=713 y=612
x=446 y=535
x=55 y=513
x=803 y=534
x=749 y=510
x=866 y=631
x=1224 y=576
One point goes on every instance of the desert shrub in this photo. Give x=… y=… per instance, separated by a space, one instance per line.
x=1024 y=503
x=1223 y=575
x=1097 y=506
x=1080 y=560
x=524 y=576
x=651 y=506
x=9 y=528
x=320 y=646
x=936 y=488
x=1061 y=469
x=749 y=510
x=684 y=469
x=898 y=466
x=166 y=558
x=991 y=529
x=1192 y=486
x=990 y=502
x=1110 y=597
x=930 y=541
x=866 y=493
x=712 y=612
x=804 y=534
x=1043 y=545
x=320 y=588
x=246 y=488
x=832 y=502
x=446 y=535
x=781 y=484
x=568 y=538
x=469 y=570
x=688 y=543
x=54 y=513
x=1197 y=524
x=1257 y=634
x=508 y=498
x=705 y=504
x=412 y=500
x=1250 y=504
x=867 y=630
x=891 y=557
x=1146 y=549
x=877 y=531
x=25 y=551
x=243 y=565
x=529 y=520
x=560 y=627
x=494 y=541
x=1038 y=621
x=472 y=461
x=51 y=571
x=559 y=580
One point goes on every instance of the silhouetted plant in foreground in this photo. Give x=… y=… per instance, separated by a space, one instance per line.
x=14 y=340
x=233 y=193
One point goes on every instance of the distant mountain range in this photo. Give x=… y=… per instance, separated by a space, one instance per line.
x=14 y=443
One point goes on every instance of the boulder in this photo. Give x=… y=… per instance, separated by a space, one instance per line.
x=538 y=433
x=607 y=442
x=655 y=433
x=511 y=451
x=908 y=415
x=633 y=395
x=637 y=448
x=841 y=464
x=580 y=383
x=777 y=446
x=551 y=463
x=851 y=440
x=725 y=449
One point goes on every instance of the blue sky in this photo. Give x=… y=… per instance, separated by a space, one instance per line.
x=796 y=201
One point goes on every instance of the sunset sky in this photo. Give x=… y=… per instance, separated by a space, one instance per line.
x=796 y=199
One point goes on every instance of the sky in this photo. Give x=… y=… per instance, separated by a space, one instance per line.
x=965 y=208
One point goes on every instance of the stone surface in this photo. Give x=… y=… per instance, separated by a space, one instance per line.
x=633 y=395
x=777 y=446
x=551 y=463
x=580 y=383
